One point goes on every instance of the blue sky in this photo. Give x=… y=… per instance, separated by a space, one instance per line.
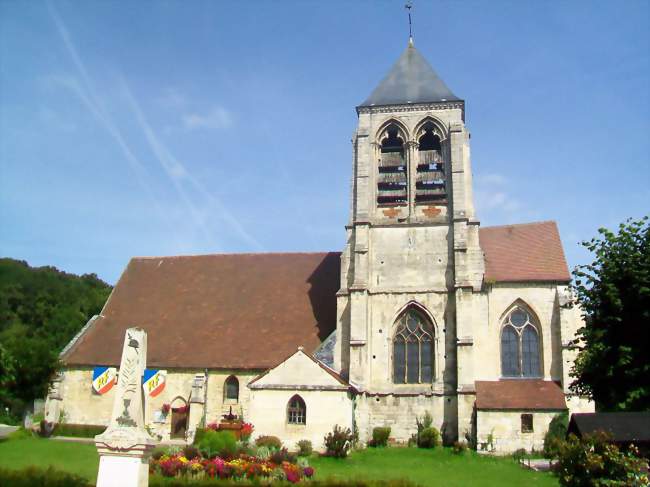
x=163 y=128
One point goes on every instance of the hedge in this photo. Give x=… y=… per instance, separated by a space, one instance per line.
x=40 y=477
x=78 y=430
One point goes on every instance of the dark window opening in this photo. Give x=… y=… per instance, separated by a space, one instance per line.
x=430 y=179
x=526 y=423
x=392 y=186
x=232 y=388
x=296 y=411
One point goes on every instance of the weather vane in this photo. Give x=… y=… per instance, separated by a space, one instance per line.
x=409 y=6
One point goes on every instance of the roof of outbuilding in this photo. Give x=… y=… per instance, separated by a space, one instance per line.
x=410 y=80
x=519 y=394
x=524 y=252
x=238 y=311
x=624 y=427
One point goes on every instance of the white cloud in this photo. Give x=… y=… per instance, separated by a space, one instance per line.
x=217 y=118
x=493 y=198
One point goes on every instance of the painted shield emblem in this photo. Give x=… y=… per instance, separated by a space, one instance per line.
x=104 y=379
x=153 y=381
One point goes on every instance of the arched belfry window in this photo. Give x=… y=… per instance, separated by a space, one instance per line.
x=430 y=177
x=413 y=349
x=392 y=178
x=520 y=350
x=296 y=410
x=231 y=389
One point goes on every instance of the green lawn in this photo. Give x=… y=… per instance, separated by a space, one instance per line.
x=437 y=467
x=78 y=458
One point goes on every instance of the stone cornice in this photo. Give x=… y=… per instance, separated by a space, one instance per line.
x=413 y=107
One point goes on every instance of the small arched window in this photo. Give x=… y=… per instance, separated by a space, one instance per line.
x=392 y=176
x=520 y=345
x=296 y=410
x=413 y=349
x=430 y=179
x=231 y=389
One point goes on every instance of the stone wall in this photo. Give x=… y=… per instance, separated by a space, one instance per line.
x=505 y=428
x=400 y=413
x=80 y=405
x=325 y=409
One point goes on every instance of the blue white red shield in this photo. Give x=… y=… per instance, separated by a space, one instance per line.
x=154 y=381
x=104 y=379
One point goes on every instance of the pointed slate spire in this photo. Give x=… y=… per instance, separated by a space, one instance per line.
x=410 y=80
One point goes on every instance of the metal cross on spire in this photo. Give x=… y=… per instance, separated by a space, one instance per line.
x=408 y=7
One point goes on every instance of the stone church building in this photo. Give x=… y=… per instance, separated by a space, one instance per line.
x=423 y=311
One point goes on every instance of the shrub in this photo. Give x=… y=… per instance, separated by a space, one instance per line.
x=282 y=455
x=429 y=438
x=198 y=436
x=555 y=435
x=218 y=443
x=459 y=447
x=263 y=452
x=269 y=442
x=594 y=461
x=519 y=454
x=78 y=430
x=380 y=436
x=421 y=424
x=34 y=476
x=338 y=442
x=158 y=452
x=304 y=448
x=191 y=452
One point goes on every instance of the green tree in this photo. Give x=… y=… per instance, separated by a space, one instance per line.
x=41 y=310
x=613 y=362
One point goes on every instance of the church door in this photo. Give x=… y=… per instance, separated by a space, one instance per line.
x=179 y=422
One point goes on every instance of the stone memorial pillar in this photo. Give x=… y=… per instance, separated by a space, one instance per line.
x=124 y=448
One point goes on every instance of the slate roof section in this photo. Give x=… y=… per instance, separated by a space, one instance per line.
x=238 y=311
x=624 y=427
x=524 y=253
x=410 y=80
x=519 y=394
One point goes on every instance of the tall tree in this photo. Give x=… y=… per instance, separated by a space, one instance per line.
x=613 y=363
x=41 y=309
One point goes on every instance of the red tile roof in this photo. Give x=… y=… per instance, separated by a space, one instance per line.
x=519 y=394
x=240 y=311
x=250 y=311
x=525 y=252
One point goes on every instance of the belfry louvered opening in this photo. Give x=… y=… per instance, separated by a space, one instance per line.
x=430 y=177
x=392 y=180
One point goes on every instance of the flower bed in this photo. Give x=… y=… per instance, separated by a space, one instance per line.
x=244 y=467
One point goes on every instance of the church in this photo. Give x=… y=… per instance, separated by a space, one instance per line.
x=423 y=311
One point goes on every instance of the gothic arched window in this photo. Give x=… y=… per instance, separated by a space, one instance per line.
x=413 y=349
x=231 y=389
x=296 y=410
x=430 y=178
x=392 y=180
x=520 y=345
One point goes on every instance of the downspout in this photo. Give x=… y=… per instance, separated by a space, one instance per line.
x=205 y=399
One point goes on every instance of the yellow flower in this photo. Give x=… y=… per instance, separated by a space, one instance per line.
x=183 y=459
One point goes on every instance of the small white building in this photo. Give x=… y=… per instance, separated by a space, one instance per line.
x=423 y=311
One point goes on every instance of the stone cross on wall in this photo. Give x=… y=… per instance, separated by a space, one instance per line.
x=125 y=446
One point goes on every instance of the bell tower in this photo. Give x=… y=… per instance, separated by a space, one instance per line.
x=412 y=246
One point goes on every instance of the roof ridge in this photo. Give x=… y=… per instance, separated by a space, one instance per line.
x=229 y=254
x=520 y=224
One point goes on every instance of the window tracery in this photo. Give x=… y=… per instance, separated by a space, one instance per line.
x=520 y=350
x=413 y=349
x=296 y=410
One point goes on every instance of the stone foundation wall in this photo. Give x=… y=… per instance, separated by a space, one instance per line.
x=505 y=428
x=400 y=413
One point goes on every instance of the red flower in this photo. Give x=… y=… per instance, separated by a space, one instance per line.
x=165 y=408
